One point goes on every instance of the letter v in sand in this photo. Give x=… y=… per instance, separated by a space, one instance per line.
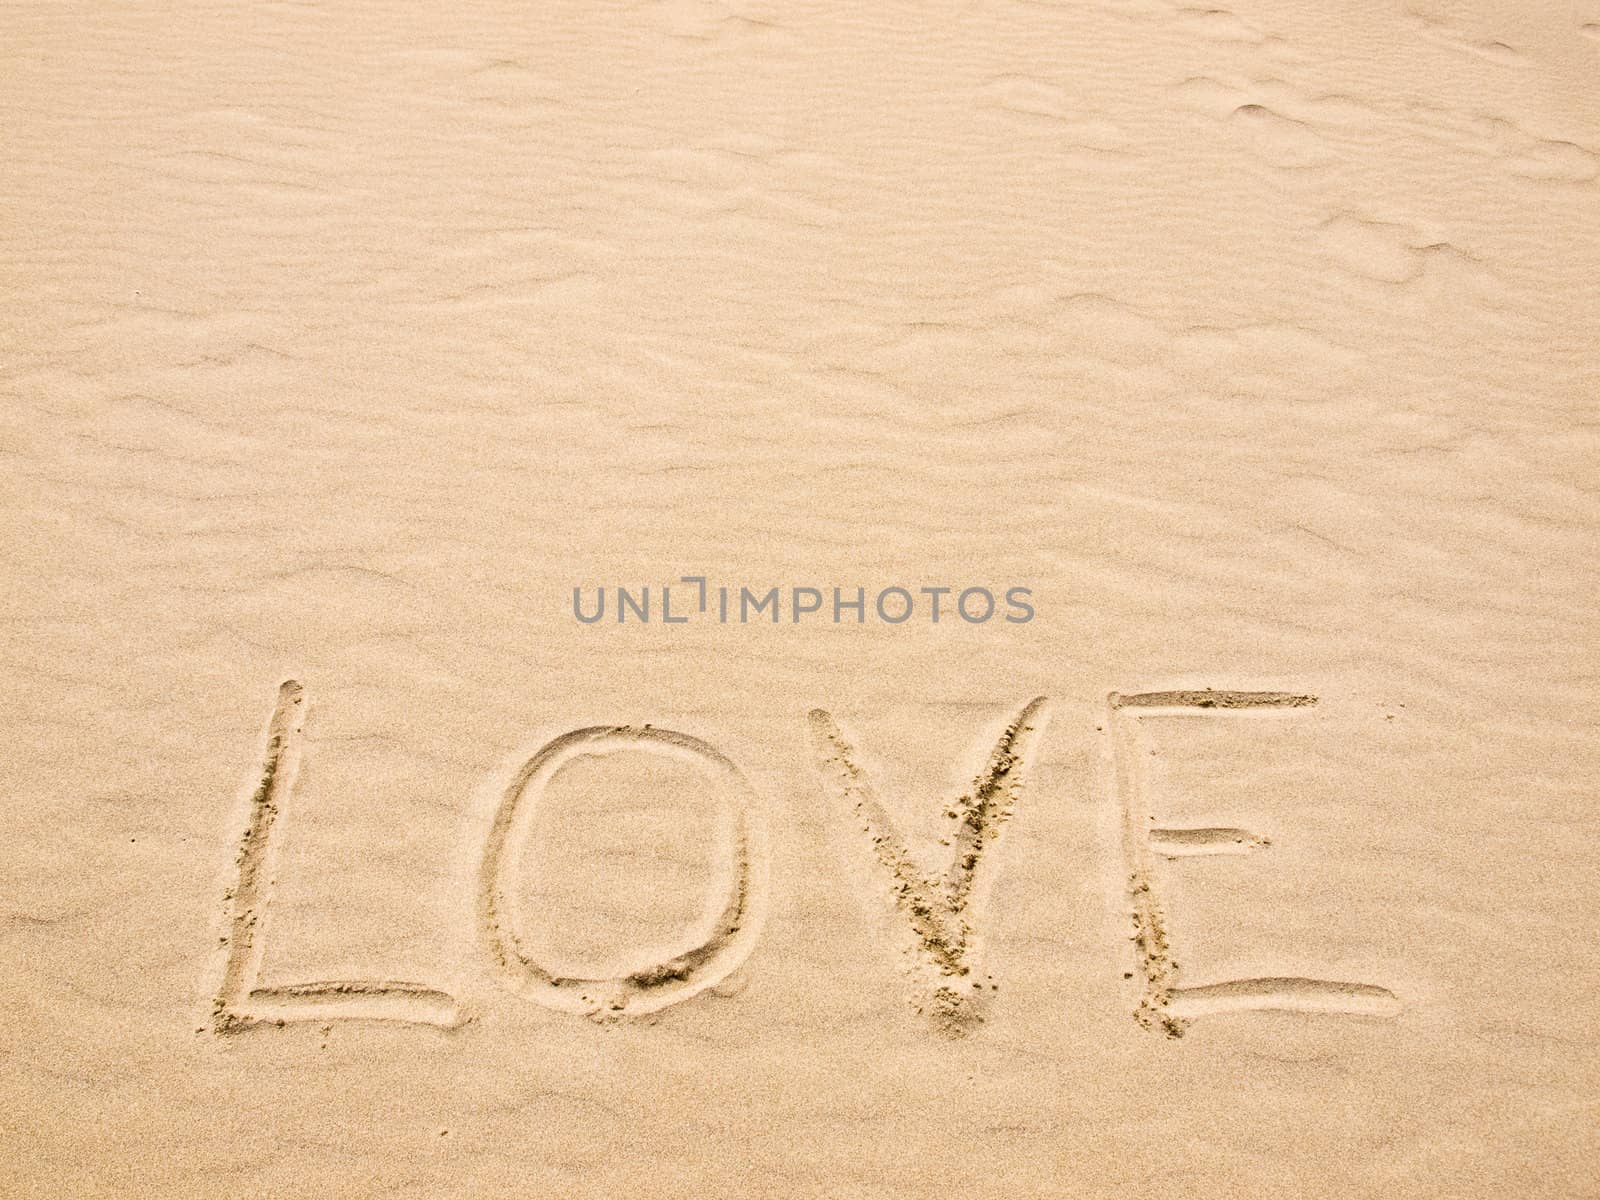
x=939 y=907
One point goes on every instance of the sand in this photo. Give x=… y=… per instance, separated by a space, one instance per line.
x=1260 y=346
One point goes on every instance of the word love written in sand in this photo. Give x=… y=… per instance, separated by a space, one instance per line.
x=939 y=910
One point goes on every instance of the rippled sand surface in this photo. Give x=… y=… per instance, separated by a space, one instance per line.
x=346 y=339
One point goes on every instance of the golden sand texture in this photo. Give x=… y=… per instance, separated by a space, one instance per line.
x=1259 y=346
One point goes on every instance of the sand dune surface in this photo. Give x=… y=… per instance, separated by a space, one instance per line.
x=1093 y=509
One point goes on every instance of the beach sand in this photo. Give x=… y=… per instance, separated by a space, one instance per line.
x=1260 y=345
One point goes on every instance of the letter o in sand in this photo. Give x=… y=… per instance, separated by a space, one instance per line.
x=734 y=928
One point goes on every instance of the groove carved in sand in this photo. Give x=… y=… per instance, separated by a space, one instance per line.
x=939 y=908
x=1165 y=1004
x=241 y=1002
x=734 y=927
